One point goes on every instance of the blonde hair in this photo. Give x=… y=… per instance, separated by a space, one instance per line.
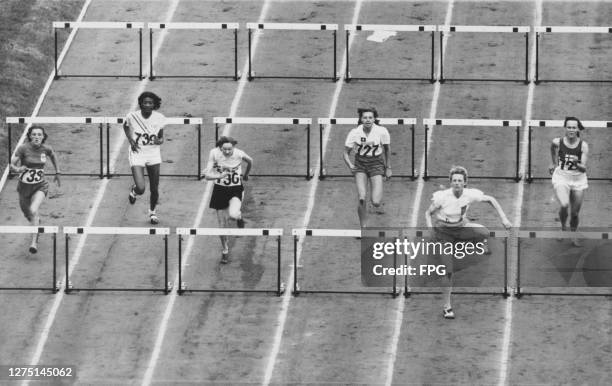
x=456 y=169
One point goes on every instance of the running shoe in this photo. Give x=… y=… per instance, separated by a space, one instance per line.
x=448 y=313
x=240 y=223
x=153 y=217
x=33 y=248
x=225 y=257
x=132 y=196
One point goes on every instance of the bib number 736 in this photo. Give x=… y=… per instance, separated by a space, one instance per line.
x=229 y=179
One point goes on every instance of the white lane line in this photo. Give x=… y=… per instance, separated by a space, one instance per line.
x=416 y=209
x=282 y=316
x=92 y=213
x=45 y=90
x=163 y=326
x=518 y=206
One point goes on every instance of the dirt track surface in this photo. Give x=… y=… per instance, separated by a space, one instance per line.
x=344 y=339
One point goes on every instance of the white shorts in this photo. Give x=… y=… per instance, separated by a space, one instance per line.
x=571 y=181
x=145 y=157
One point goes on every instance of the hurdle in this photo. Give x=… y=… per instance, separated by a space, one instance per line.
x=268 y=232
x=389 y=27
x=561 y=237
x=427 y=123
x=346 y=233
x=53 y=230
x=558 y=123
x=168 y=121
x=411 y=122
x=57 y=25
x=422 y=233
x=70 y=230
x=293 y=27
x=193 y=26
x=484 y=29
x=270 y=121
x=61 y=120
x=539 y=30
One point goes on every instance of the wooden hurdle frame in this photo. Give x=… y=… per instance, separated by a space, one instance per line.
x=484 y=29
x=193 y=26
x=54 y=230
x=350 y=233
x=473 y=122
x=563 y=236
x=270 y=121
x=539 y=30
x=98 y=25
x=268 y=232
x=558 y=123
x=389 y=27
x=70 y=230
x=411 y=122
x=294 y=27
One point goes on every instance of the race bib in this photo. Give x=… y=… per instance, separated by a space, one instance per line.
x=32 y=176
x=232 y=179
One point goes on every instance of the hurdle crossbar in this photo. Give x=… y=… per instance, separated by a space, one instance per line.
x=539 y=30
x=294 y=27
x=168 y=121
x=61 y=120
x=561 y=236
x=218 y=121
x=20 y=229
x=58 y=25
x=558 y=123
x=411 y=122
x=193 y=26
x=484 y=29
x=348 y=28
x=274 y=232
x=347 y=233
x=142 y=231
x=425 y=233
x=427 y=123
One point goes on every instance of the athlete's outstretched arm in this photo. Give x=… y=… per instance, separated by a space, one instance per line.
x=249 y=163
x=491 y=200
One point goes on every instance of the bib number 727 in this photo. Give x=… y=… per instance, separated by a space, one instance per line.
x=363 y=150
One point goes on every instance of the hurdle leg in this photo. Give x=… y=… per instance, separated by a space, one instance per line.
x=151 y=76
x=140 y=54
x=57 y=76
x=530 y=177
x=101 y=132
x=526 y=57
x=425 y=176
x=236 y=54
x=537 y=61
x=279 y=291
x=334 y=73
x=167 y=286
x=10 y=143
x=67 y=284
x=108 y=171
x=55 y=287
x=295 y=272
x=347 y=74
x=506 y=293
x=517 y=177
x=441 y=57
x=413 y=175
x=518 y=293
x=321 y=169
x=308 y=173
x=433 y=39
x=199 y=152
x=181 y=285
x=250 y=76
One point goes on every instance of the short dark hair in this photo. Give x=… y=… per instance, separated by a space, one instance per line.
x=456 y=169
x=362 y=110
x=580 y=127
x=225 y=139
x=32 y=128
x=148 y=94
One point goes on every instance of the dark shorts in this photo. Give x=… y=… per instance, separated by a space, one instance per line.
x=371 y=166
x=221 y=196
x=26 y=191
